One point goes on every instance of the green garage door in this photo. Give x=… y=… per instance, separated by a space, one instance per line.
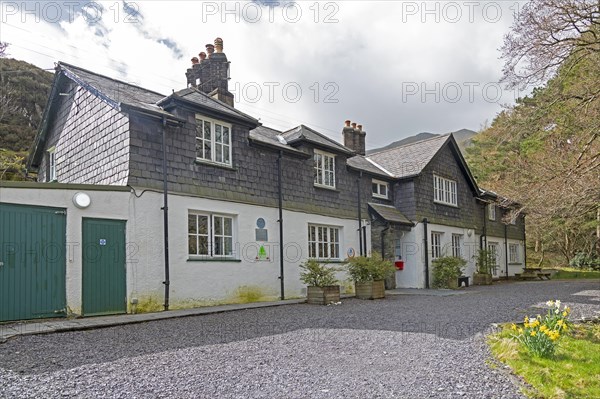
x=32 y=262
x=104 y=276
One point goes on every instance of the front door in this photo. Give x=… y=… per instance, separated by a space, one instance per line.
x=493 y=248
x=104 y=273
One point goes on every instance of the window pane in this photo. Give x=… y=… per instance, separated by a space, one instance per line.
x=203 y=245
x=312 y=250
x=199 y=146
x=374 y=186
x=219 y=246
x=218 y=134
x=226 y=154
x=192 y=245
x=228 y=246
x=192 y=228
x=207 y=154
x=383 y=190
x=207 y=131
x=218 y=227
x=228 y=226
x=218 y=153
x=203 y=225
x=226 y=135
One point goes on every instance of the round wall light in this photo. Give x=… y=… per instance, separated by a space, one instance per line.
x=82 y=200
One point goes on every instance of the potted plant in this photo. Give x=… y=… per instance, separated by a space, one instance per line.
x=369 y=274
x=485 y=261
x=446 y=271
x=322 y=284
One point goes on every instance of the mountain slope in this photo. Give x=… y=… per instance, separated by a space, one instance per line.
x=463 y=138
x=24 y=90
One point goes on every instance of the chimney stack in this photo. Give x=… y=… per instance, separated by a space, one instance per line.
x=354 y=137
x=210 y=74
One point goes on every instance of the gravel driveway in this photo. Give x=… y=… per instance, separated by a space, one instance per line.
x=406 y=346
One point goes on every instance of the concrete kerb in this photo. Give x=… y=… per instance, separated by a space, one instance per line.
x=11 y=330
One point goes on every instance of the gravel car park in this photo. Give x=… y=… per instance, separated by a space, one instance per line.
x=405 y=346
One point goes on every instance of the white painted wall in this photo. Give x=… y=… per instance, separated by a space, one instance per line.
x=502 y=255
x=413 y=275
x=105 y=204
x=192 y=282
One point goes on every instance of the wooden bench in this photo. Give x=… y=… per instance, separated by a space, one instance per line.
x=541 y=275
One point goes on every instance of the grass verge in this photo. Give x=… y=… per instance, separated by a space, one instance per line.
x=569 y=273
x=574 y=371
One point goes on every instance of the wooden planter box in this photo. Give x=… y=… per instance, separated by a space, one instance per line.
x=370 y=289
x=482 y=279
x=323 y=295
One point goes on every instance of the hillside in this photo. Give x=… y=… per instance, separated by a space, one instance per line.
x=24 y=90
x=463 y=138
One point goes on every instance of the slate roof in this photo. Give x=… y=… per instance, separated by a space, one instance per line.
x=115 y=92
x=267 y=136
x=410 y=159
x=390 y=214
x=304 y=133
x=362 y=163
x=197 y=97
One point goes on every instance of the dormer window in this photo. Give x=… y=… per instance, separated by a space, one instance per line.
x=491 y=211
x=324 y=169
x=380 y=189
x=213 y=141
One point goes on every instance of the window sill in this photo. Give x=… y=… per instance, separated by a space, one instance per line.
x=445 y=204
x=215 y=164
x=324 y=187
x=515 y=263
x=381 y=197
x=233 y=260
x=326 y=261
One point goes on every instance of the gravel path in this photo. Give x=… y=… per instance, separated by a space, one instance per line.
x=401 y=347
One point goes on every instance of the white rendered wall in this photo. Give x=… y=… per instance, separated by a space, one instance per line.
x=516 y=267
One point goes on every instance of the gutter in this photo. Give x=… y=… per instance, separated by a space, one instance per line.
x=165 y=210
x=383 y=241
x=506 y=249
x=280 y=194
x=360 y=230
x=425 y=233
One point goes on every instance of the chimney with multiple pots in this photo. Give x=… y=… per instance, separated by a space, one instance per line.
x=354 y=137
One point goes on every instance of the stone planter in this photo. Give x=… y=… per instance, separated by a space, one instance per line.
x=323 y=295
x=370 y=289
x=482 y=279
x=453 y=283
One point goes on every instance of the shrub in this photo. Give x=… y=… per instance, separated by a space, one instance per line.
x=540 y=335
x=317 y=275
x=362 y=269
x=486 y=260
x=446 y=269
x=582 y=260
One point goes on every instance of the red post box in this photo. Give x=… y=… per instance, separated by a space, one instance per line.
x=399 y=264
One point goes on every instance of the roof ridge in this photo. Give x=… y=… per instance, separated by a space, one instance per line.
x=439 y=136
x=69 y=66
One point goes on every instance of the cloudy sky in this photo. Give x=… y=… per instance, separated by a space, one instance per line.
x=397 y=67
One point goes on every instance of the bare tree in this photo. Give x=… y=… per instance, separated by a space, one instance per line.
x=3 y=47
x=545 y=34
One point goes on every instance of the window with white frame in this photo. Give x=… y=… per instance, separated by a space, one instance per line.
x=52 y=164
x=436 y=245
x=444 y=191
x=513 y=253
x=380 y=189
x=457 y=245
x=213 y=141
x=323 y=242
x=210 y=235
x=491 y=211
x=324 y=169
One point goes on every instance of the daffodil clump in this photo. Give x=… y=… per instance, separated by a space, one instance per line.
x=541 y=335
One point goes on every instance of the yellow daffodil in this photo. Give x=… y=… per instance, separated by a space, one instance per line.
x=533 y=333
x=526 y=319
x=514 y=327
x=543 y=328
x=520 y=331
x=557 y=303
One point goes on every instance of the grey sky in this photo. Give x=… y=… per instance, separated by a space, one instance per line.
x=397 y=67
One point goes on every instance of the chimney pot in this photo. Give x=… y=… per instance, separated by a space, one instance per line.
x=359 y=128
x=219 y=45
x=202 y=56
x=194 y=60
x=347 y=122
x=354 y=125
x=210 y=49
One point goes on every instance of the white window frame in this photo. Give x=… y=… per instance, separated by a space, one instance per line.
x=51 y=164
x=215 y=240
x=436 y=245
x=324 y=241
x=225 y=153
x=325 y=170
x=445 y=191
x=457 y=240
x=491 y=211
x=377 y=189
x=513 y=253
